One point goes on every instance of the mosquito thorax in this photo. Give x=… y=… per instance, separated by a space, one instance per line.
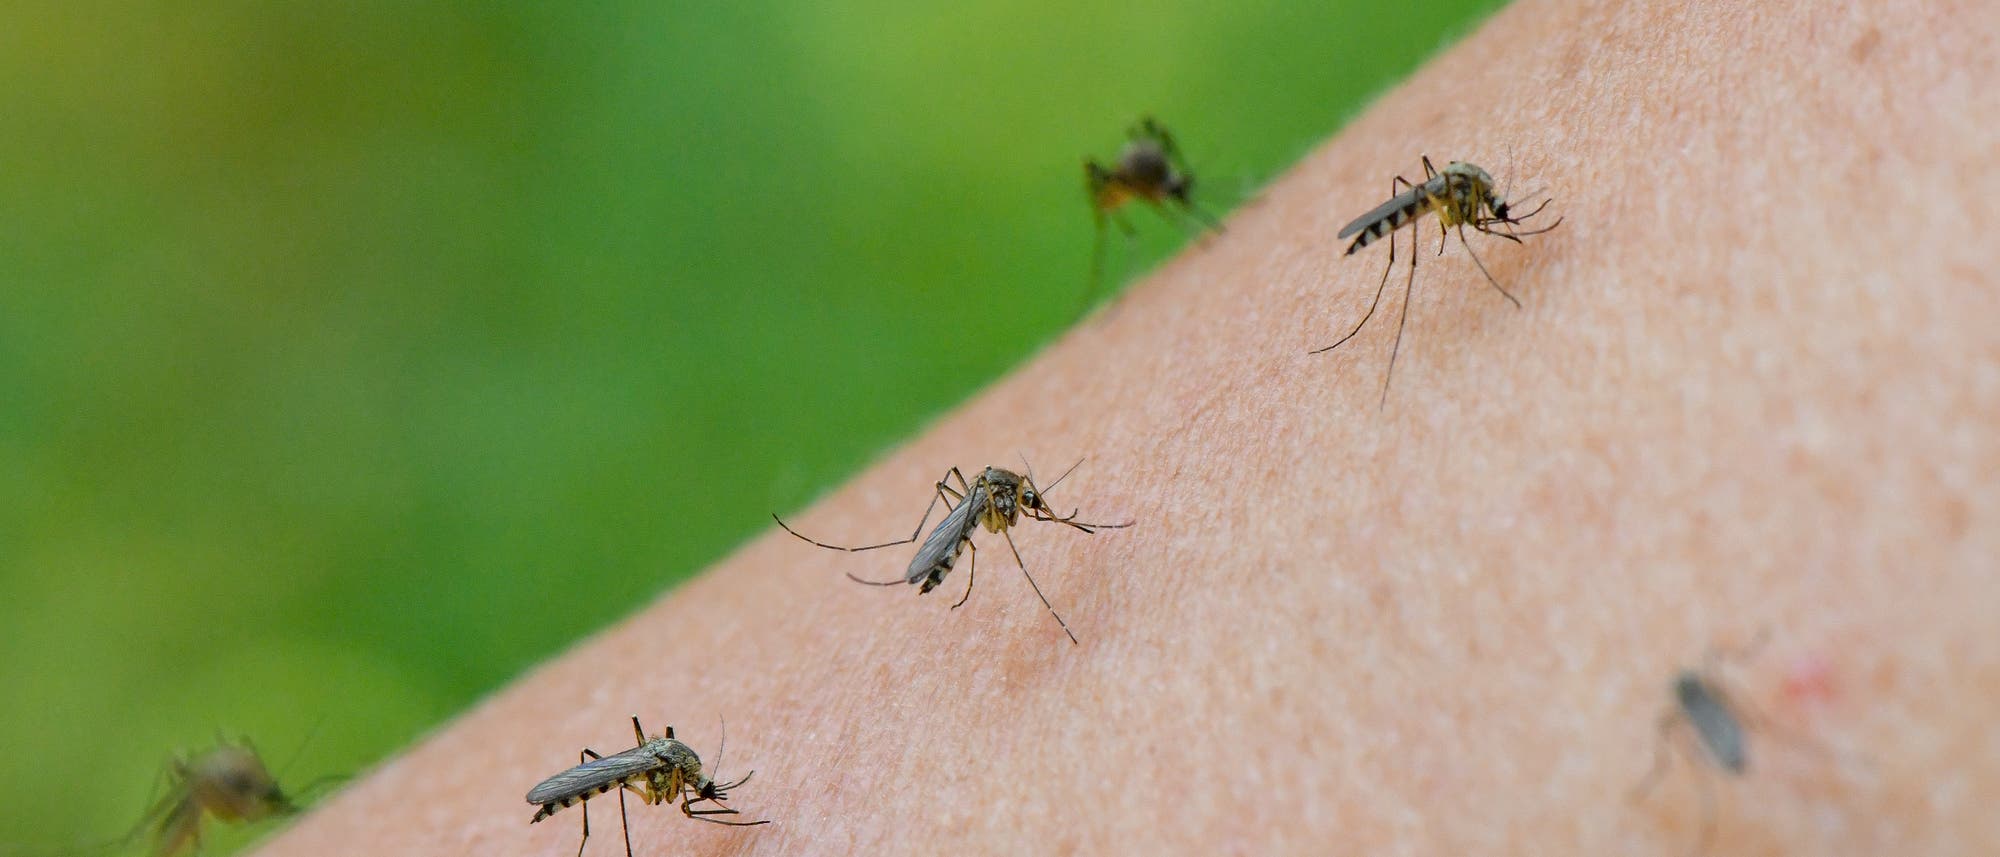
x=1145 y=164
x=236 y=781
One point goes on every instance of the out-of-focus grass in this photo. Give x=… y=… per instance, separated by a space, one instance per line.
x=354 y=357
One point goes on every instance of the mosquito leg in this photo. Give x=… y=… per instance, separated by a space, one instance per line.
x=971 y=571
x=1038 y=589
x=1660 y=758
x=1185 y=212
x=1371 y=304
x=1096 y=262
x=944 y=492
x=1095 y=179
x=942 y=489
x=1409 y=288
x=1705 y=786
x=1482 y=267
x=582 y=757
x=963 y=488
x=1086 y=526
x=624 y=825
x=170 y=773
x=687 y=809
x=702 y=815
x=1202 y=216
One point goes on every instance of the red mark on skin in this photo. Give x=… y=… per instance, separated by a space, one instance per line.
x=1809 y=682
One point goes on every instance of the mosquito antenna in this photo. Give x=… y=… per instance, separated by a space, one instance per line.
x=303 y=743
x=1059 y=479
x=1203 y=216
x=157 y=805
x=721 y=746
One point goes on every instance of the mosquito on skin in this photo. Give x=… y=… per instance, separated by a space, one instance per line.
x=1713 y=725
x=1461 y=195
x=659 y=770
x=997 y=500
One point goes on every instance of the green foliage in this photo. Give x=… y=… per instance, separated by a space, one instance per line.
x=356 y=356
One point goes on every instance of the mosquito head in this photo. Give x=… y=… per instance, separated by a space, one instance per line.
x=1031 y=499
x=1690 y=689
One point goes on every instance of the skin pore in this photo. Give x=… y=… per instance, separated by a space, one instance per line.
x=1754 y=385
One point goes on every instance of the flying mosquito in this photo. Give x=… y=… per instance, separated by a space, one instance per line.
x=996 y=500
x=228 y=782
x=1461 y=195
x=1150 y=169
x=660 y=769
x=1713 y=726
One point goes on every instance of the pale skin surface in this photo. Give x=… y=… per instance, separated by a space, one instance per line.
x=1755 y=384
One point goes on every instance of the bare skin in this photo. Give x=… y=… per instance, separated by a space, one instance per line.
x=1755 y=383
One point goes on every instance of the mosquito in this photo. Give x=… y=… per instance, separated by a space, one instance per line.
x=660 y=769
x=997 y=499
x=1149 y=169
x=228 y=782
x=1461 y=195
x=1716 y=721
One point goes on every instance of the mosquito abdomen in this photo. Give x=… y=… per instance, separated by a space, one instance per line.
x=1390 y=222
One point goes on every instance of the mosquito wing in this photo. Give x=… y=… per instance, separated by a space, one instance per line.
x=594 y=774
x=941 y=546
x=1406 y=200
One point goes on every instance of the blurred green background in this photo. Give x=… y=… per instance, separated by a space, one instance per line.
x=355 y=357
